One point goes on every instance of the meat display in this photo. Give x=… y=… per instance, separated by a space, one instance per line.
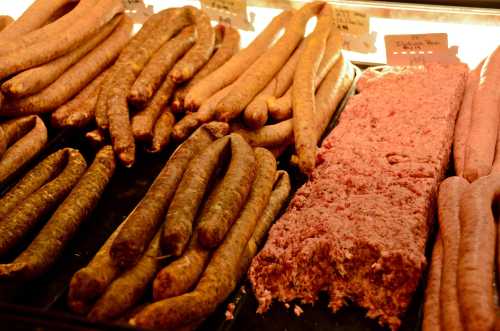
x=358 y=228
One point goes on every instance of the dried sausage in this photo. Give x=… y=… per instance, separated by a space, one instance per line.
x=271 y=135
x=15 y=129
x=162 y=131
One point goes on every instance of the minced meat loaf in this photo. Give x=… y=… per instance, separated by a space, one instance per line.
x=358 y=228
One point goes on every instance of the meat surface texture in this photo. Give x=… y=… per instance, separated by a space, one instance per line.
x=358 y=228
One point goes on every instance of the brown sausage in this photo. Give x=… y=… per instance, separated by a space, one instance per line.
x=235 y=187
x=22 y=218
x=24 y=150
x=44 y=250
x=144 y=221
x=220 y=276
x=450 y=192
x=431 y=319
x=271 y=135
x=234 y=67
x=15 y=129
x=32 y=181
x=189 y=195
x=162 y=131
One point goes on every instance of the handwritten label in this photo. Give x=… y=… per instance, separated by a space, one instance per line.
x=351 y=22
x=418 y=49
x=137 y=10
x=232 y=12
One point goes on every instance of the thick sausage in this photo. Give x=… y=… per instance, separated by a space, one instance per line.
x=271 y=135
x=234 y=67
x=162 y=131
x=189 y=195
x=32 y=181
x=162 y=61
x=42 y=253
x=450 y=192
x=304 y=105
x=431 y=319
x=24 y=150
x=235 y=187
x=264 y=69
x=34 y=80
x=15 y=129
x=141 y=225
x=220 y=276
x=483 y=133
x=27 y=214
x=229 y=46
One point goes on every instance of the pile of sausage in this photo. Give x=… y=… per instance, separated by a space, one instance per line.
x=460 y=292
x=476 y=145
x=61 y=182
x=207 y=211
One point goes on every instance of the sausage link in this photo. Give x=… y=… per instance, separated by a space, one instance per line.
x=431 y=320
x=162 y=131
x=268 y=136
x=236 y=185
x=16 y=128
x=22 y=219
x=42 y=253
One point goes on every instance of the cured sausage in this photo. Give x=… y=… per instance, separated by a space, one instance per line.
x=44 y=250
x=477 y=254
x=450 y=192
x=162 y=132
x=235 y=187
x=263 y=70
x=234 y=67
x=34 y=80
x=24 y=150
x=144 y=221
x=304 y=105
x=480 y=150
x=271 y=135
x=15 y=129
x=199 y=55
x=189 y=195
x=22 y=218
x=220 y=276
x=431 y=320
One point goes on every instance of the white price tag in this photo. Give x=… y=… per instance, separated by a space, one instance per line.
x=232 y=12
x=137 y=10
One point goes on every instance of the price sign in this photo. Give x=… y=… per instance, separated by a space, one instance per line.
x=418 y=49
x=232 y=12
x=351 y=22
x=137 y=10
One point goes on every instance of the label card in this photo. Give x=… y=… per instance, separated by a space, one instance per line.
x=351 y=22
x=232 y=12
x=418 y=49
x=137 y=10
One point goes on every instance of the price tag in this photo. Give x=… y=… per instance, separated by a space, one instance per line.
x=232 y=12
x=351 y=22
x=137 y=10
x=418 y=49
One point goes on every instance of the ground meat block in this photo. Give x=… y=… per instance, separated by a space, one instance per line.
x=358 y=228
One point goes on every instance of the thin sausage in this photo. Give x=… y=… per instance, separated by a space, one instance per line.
x=235 y=187
x=43 y=252
x=271 y=135
x=16 y=128
x=450 y=192
x=161 y=132
x=189 y=195
x=24 y=150
x=25 y=216
x=431 y=319
x=234 y=67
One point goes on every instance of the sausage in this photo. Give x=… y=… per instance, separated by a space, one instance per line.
x=462 y=125
x=79 y=111
x=37 y=15
x=101 y=106
x=189 y=195
x=235 y=187
x=126 y=290
x=228 y=47
x=234 y=67
x=88 y=283
x=220 y=277
x=141 y=225
x=205 y=113
x=47 y=246
x=5 y=20
x=271 y=135
x=304 y=106
x=477 y=254
x=264 y=69
x=15 y=129
x=75 y=78
x=54 y=46
x=431 y=320
x=450 y=192
x=25 y=216
x=281 y=108
x=96 y=138
x=24 y=150
x=160 y=64
x=480 y=150
x=162 y=131
x=34 y=80
x=199 y=55
x=143 y=121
